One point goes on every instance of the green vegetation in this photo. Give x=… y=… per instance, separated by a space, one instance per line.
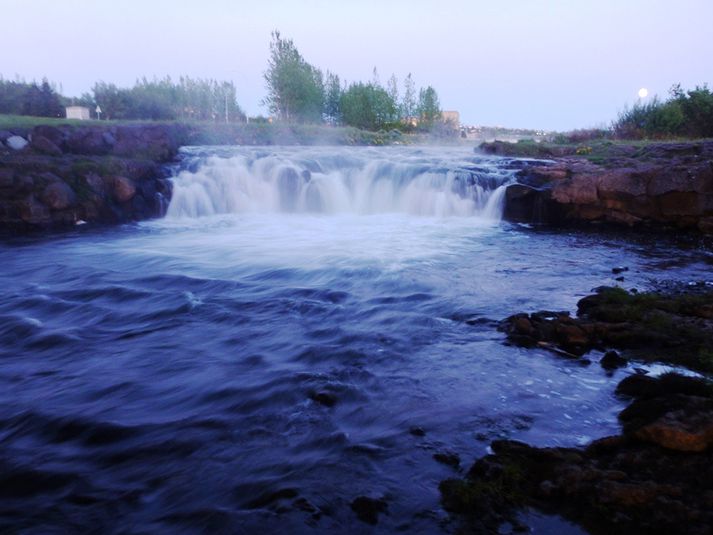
x=164 y=99
x=297 y=92
x=22 y=98
x=683 y=114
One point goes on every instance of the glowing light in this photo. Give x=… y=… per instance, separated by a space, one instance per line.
x=643 y=92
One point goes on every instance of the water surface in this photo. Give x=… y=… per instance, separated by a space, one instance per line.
x=177 y=375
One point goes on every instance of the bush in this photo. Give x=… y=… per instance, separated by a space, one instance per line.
x=684 y=114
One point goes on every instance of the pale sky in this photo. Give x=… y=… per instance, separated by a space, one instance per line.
x=546 y=64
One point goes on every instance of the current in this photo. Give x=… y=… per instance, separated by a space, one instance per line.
x=306 y=326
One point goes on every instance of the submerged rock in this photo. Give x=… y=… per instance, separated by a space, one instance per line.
x=368 y=509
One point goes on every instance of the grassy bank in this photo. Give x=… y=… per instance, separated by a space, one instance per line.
x=210 y=133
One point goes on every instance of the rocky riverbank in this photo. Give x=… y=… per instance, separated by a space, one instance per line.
x=652 y=478
x=656 y=185
x=60 y=176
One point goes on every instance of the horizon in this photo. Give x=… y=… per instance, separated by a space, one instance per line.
x=554 y=66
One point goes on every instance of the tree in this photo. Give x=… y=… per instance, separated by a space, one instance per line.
x=332 y=96
x=367 y=106
x=392 y=88
x=295 y=89
x=429 y=108
x=408 y=104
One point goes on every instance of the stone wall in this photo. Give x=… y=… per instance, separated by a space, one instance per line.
x=54 y=177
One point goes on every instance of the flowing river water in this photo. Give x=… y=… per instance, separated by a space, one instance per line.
x=305 y=326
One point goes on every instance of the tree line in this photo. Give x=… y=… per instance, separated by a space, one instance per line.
x=155 y=99
x=299 y=92
x=21 y=98
x=683 y=114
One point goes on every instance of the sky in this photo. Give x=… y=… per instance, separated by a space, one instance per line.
x=544 y=64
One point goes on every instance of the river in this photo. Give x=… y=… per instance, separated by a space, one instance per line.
x=305 y=326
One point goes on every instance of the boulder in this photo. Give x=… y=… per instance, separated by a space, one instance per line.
x=58 y=196
x=45 y=146
x=16 y=142
x=34 y=212
x=123 y=189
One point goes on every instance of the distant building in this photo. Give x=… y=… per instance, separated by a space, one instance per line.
x=451 y=117
x=80 y=113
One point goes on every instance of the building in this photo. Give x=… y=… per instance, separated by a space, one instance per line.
x=452 y=117
x=80 y=113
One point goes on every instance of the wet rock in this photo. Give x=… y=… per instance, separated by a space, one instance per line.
x=324 y=398
x=368 y=509
x=652 y=326
x=618 y=270
x=612 y=360
x=448 y=458
x=417 y=431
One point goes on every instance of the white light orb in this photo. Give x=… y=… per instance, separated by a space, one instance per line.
x=643 y=92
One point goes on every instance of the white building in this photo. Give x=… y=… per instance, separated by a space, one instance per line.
x=78 y=112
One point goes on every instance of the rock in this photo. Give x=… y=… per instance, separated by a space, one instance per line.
x=612 y=360
x=16 y=142
x=368 y=509
x=7 y=177
x=650 y=185
x=33 y=212
x=447 y=458
x=618 y=270
x=45 y=146
x=123 y=189
x=324 y=398
x=58 y=196
x=417 y=431
x=680 y=430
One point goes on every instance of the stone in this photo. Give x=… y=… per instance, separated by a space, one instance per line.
x=323 y=398
x=16 y=142
x=368 y=509
x=45 y=146
x=34 y=212
x=448 y=458
x=123 y=189
x=680 y=430
x=58 y=196
x=7 y=177
x=612 y=360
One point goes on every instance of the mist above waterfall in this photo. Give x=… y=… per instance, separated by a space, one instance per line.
x=432 y=181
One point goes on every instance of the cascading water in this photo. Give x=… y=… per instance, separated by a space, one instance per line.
x=423 y=182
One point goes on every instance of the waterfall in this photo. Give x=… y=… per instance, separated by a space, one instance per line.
x=337 y=180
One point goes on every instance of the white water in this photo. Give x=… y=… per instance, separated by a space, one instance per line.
x=332 y=180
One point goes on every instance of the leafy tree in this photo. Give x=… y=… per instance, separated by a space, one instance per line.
x=429 y=108
x=367 y=106
x=408 y=103
x=332 y=97
x=295 y=88
x=392 y=88
x=21 y=98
